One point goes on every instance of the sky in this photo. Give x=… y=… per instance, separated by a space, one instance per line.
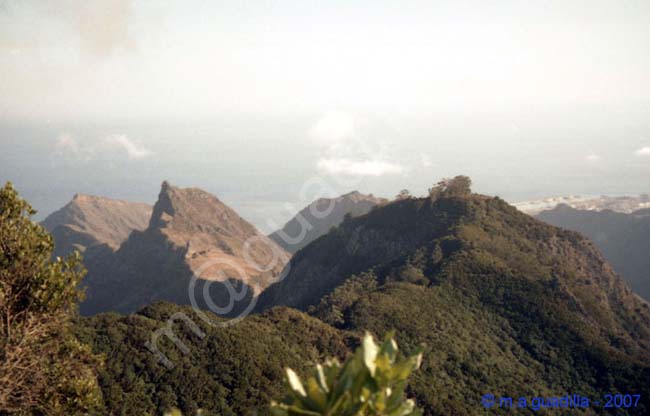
x=270 y=103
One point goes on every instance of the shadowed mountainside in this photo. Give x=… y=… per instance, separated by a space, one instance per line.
x=190 y=232
x=623 y=238
x=320 y=216
x=449 y=270
x=506 y=305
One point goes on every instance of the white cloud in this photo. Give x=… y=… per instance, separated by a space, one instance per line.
x=344 y=151
x=358 y=167
x=644 y=151
x=133 y=149
x=593 y=158
x=333 y=128
x=68 y=145
x=425 y=160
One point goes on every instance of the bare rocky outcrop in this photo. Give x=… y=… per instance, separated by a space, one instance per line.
x=89 y=221
x=211 y=232
x=190 y=233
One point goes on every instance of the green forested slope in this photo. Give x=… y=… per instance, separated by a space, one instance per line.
x=623 y=238
x=504 y=303
x=231 y=371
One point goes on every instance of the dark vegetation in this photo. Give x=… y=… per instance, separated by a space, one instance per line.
x=43 y=368
x=623 y=238
x=505 y=304
x=231 y=371
x=370 y=382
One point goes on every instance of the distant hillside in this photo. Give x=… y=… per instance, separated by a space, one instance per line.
x=454 y=270
x=190 y=232
x=623 y=238
x=309 y=224
x=89 y=221
x=505 y=304
x=624 y=204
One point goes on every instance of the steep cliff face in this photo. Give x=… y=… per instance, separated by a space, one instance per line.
x=211 y=232
x=378 y=238
x=320 y=216
x=623 y=238
x=89 y=220
x=190 y=233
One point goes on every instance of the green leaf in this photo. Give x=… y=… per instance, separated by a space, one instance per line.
x=369 y=383
x=370 y=351
x=295 y=383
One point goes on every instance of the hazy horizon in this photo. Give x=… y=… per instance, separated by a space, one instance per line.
x=252 y=101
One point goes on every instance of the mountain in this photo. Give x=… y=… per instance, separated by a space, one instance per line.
x=623 y=238
x=320 y=216
x=505 y=305
x=624 y=204
x=190 y=233
x=470 y=275
x=89 y=221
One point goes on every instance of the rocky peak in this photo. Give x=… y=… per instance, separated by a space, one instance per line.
x=193 y=210
x=164 y=208
x=91 y=220
x=191 y=233
x=356 y=196
x=209 y=230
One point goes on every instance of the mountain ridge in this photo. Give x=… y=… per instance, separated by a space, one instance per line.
x=624 y=204
x=504 y=303
x=465 y=231
x=89 y=220
x=317 y=218
x=191 y=235
x=623 y=238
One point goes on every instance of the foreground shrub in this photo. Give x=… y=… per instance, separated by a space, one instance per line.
x=371 y=382
x=43 y=368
